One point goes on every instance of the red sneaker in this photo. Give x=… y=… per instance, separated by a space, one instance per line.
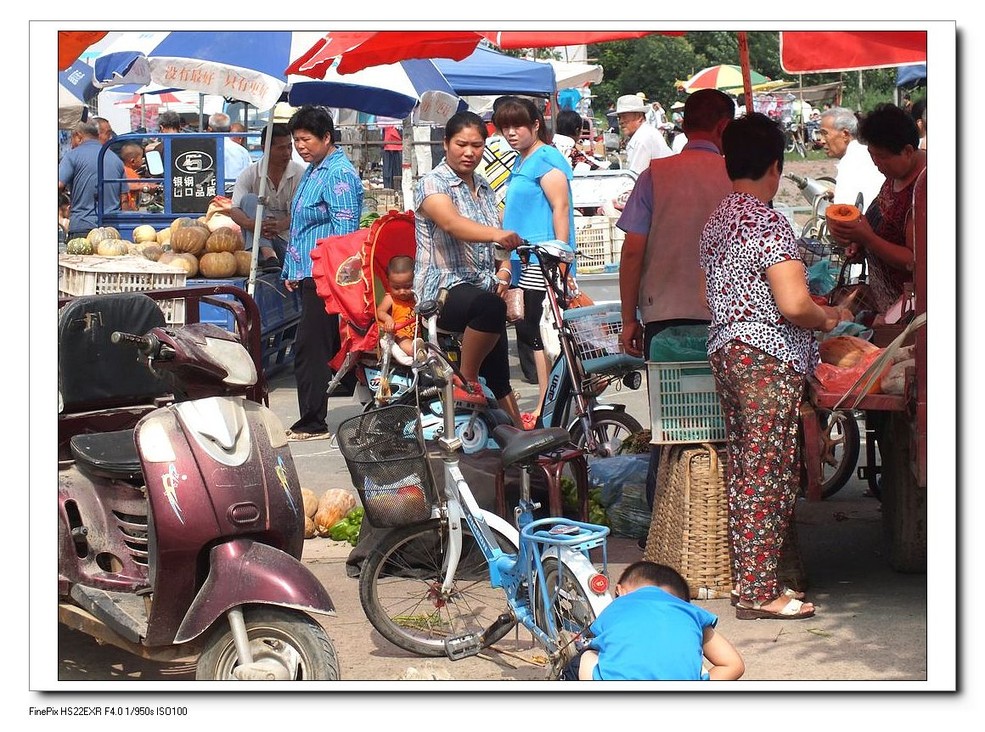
x=470 y=395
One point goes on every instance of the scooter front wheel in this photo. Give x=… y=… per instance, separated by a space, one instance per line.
x=287 y=645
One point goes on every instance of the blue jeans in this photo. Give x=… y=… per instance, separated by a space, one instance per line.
x=248 y=205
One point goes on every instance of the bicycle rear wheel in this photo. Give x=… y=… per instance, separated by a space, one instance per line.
x=400 y=589
x=568 y=604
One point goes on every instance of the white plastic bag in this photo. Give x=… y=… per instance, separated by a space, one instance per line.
x=548 y=333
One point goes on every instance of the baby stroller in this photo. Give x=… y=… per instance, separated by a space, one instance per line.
x=350 y=274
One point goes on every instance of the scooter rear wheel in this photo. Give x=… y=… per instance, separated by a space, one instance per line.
x=287 y=643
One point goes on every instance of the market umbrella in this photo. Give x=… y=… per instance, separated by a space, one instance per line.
x=360 y=49
x=246 y=66
x=75 y=90
x=390 y=90
x=725 y=77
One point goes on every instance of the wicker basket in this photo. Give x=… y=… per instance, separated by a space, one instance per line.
x=689 y=528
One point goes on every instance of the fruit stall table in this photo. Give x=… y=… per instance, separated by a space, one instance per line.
x=900 y=423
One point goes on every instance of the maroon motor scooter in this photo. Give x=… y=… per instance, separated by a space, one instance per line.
x=183 y=535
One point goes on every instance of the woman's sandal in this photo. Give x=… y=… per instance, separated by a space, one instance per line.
x=795 y=594
x=793 y=610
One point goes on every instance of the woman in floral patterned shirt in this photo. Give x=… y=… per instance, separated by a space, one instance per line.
x=761 y=348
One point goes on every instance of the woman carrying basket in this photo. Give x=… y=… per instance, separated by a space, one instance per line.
x=761 y=347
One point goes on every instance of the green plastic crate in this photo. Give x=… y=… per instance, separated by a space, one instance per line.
x=684 y=404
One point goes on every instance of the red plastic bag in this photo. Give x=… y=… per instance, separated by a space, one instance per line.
x=840 y=380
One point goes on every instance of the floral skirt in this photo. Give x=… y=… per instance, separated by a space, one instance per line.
x=760 y=397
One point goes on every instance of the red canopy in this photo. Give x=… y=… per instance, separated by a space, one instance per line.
x=547 y=39
x=804 y=52
x=71 y=45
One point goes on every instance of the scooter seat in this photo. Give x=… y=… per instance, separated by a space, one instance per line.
x=521 y=447
x=107 y=455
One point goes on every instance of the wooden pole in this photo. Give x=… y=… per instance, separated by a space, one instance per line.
x=744 y=63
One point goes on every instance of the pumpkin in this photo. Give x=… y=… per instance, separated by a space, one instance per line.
x=224 y=240
x=144 y=232
x=333 y=506
x=844 y=351
x=843 y=212
x=310 y=501
x=187 y=262
x=111 y=248
x=309 y=528
x=152 y=252
x=189 y=240
x=78 y=245
x=100 y=233
x=244 y=260
x=164 y=237
x=202 y=221
x=217 y=265
x=181 y=222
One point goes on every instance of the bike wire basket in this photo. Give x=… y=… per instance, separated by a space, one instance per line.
x=595 y=331
x=385 y=453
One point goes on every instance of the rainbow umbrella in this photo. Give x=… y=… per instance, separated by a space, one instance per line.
x=725 y=77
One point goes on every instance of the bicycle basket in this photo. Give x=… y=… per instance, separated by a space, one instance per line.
x=387 y=460
x=595 y=330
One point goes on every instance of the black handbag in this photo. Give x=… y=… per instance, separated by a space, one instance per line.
x=857 y=297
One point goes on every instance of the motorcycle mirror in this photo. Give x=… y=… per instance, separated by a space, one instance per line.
x=155 y=165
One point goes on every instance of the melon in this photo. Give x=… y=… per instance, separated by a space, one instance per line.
x=78 y=245
x=144 y=233
x=843 y=212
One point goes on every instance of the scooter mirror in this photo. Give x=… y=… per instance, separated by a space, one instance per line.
x=155 y=165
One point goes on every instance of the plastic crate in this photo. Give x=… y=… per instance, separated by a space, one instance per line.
x=593 y=242
x=684 y=404
x=81 y=274
x=595 y=331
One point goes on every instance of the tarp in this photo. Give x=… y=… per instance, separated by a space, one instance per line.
x=490 y=72
x=804 y=52
x=910 y=75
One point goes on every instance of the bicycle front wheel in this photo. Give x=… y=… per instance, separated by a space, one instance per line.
x=610 y=428
x=400 y=589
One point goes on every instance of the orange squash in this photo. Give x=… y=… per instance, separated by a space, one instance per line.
x=244 y=260
x=844 y=351
x=224 y=239
x=189 y=240
x=333 y=506
x=842 y=212
x=217 y=265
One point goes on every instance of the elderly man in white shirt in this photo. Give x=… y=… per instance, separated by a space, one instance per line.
x=857 y=174
x=645 y=143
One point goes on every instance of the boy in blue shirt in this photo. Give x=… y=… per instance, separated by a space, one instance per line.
x=652 y=632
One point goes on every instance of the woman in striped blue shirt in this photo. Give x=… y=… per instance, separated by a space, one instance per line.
x=328 y=202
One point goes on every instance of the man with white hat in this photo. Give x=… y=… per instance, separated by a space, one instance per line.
x=645 y=141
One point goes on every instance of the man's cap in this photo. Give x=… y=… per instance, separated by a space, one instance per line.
x=641 y=95
x=677 y=105
x=630 y=103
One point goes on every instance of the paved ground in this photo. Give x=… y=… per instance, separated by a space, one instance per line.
x=871 y=624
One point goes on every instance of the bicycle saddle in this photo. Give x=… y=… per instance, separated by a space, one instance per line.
x=520 y=446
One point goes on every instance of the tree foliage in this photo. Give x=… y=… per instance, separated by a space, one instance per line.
x=654 y=64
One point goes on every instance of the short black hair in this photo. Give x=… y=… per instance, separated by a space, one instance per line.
x=569 y=123
x=169 y=119
x=751 y=144
x=705 y=108
x=890 y=128
x=658 y=575
x=315 y=120
x=279 y=130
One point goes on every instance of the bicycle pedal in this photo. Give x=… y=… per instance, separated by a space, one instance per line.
x=463 y=646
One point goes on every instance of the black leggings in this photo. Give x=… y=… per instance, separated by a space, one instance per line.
x=469 y=307
x=528 y=329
